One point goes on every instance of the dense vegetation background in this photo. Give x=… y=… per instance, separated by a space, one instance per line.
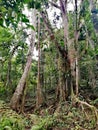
x=57 y=90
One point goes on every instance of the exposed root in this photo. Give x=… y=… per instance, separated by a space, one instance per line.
x=83 y=104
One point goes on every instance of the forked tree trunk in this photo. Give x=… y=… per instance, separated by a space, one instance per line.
x=69 y=45
x=16 y=99
x=62 y=87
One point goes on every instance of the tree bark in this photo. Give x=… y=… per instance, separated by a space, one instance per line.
x=16 y=99
x=39 y=98
x=64 y=63
x=69 y=45
x=62 y=79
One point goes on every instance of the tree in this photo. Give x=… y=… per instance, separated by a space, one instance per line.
x=39 y=97
x=67 y=55
x=15 y=101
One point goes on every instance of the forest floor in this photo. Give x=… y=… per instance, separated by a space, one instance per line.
x=64 y=117
x=58 y=116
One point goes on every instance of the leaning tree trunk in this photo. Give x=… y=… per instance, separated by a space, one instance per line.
x=62 y=87
x=16 y=99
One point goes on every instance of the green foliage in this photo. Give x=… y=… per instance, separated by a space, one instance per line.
x=11 y=123
x=5 y=35
x=9 y=120
x=30 y=26
x=44 y=123
x=10 y=17
x=68 y=117
x=24 y=19
x=33 y=3
x=95 y=102
x=2 y=89
x=88 y=26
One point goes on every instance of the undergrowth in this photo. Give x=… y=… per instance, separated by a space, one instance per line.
x=64 y=117
x=10 y=120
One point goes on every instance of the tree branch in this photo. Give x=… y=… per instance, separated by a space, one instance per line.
x=62 y=6
x=54 y=4
x=52 y=37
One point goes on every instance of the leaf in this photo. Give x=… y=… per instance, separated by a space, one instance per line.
x=36 y=127
x=38 y=5
x=27 y=1
x=30 y=26
x=25 y=20
x=5 y=35
x=1 y=22
x=7 y=128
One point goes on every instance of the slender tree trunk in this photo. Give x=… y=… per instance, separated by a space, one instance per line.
x=23 y=65
x=77 y=77
x=8 y=81
x=42 y=68
x=1 y=73
x=39 y=98
x=16 y=99
x=76 y=50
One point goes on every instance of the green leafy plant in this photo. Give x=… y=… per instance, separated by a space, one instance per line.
x=11 y=123
x=45 y=123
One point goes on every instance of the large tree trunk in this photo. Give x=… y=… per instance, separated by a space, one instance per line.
x=16 y=99
x=69 y=45
x=62 y=79
x=64 y=63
